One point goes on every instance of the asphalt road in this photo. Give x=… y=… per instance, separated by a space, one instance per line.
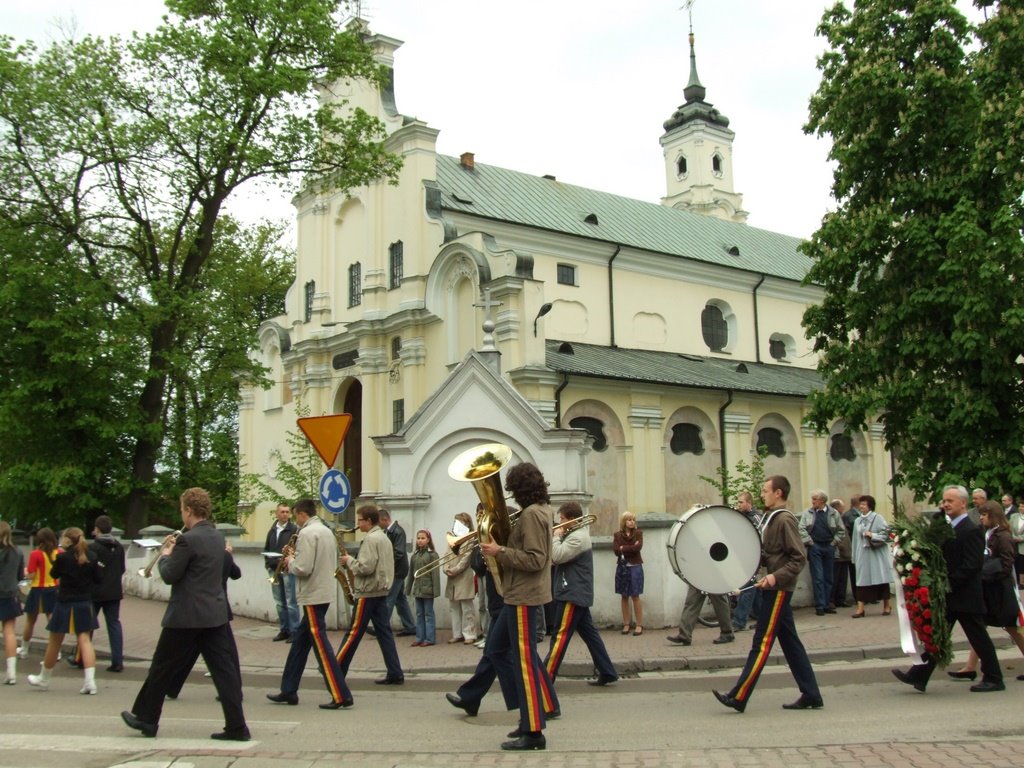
x=655 y=719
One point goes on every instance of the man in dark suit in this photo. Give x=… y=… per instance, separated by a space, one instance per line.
x=964 y=554
x=196 y=619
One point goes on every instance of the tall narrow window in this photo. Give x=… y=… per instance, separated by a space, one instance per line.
x=310 y=292
x=396 y=347
x=355 y=284
x=397 y=415
x=717 y=163
x=395 y=259
x=714 y=328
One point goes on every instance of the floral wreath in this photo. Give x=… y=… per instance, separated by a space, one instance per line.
x=921 y=569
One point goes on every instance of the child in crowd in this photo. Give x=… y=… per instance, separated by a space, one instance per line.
x=42 y=595
x=424 y=589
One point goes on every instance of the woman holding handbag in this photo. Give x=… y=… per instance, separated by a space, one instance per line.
x=998 y=583
x=871 y=557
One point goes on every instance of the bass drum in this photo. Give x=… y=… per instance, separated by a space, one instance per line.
x=714 y=549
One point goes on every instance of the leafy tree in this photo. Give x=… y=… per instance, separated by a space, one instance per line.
x=122 y=154
x=744 y=477
x=922 y=325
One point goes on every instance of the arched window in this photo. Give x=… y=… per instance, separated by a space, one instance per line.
x=595 y=428
x=714 y=328
x=771 y=439
x=842 y=448
x=681 y=166
x=309 y=295
x=717 y=164
x=686 y=439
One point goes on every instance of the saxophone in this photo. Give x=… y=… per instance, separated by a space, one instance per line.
x=280 y=563
x=343 y=573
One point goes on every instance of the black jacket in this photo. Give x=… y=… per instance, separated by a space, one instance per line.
x=110 y=559
x=396 y=535
x=276 y=542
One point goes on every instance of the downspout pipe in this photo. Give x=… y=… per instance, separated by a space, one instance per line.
x=721 y=435
x=757 y=324
x=611 y=295
x=558 y=400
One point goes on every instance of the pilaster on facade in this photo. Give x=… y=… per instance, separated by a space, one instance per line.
x=877 y=431
x=739 y=423
x=645 y=417
x=316 y=376
x=414 y=351
x=373 y=360
x=507 y=324
x=246 y=398
x=548 y=410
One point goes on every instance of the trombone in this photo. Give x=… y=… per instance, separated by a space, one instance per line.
x=148 y=570
x=574 y=525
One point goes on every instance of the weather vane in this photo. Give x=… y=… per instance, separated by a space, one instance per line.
x=688 y=5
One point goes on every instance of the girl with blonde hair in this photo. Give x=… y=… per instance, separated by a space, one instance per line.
x=629 y=572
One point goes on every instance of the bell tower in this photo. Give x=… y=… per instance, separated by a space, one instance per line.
x=697 y=147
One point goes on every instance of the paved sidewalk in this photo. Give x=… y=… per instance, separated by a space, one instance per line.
x=827 y=638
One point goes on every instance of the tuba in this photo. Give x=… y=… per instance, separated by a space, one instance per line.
x=481 y=466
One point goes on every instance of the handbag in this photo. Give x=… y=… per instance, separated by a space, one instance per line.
x=991 y=569
x=1001 y=606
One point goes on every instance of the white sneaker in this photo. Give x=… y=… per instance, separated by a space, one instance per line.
x=10 y=681
x=23 y=652
x=89 y=689
x=38 y=682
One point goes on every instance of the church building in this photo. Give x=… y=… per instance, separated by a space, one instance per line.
x=626 y=348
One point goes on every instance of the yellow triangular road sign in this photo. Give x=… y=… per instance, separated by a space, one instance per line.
x=326 y=434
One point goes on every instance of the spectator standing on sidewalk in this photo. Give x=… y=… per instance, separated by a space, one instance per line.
x=283 y=589
x=108 y=593
x=821 y=530
x=629 y=572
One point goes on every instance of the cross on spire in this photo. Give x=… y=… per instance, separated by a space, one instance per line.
x=487 y=305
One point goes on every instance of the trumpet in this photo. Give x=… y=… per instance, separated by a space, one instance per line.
x=276 y=577
x=148 y=570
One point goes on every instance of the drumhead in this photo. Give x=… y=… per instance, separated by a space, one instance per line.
x=715 y=549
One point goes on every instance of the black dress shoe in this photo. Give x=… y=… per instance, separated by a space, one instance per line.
x=830 y=610
x=284 y=698
x=282 y=635
x=730 y=702
x=115 y=668
x=241 y=734
x=905 y=677
x=553 y=715
x=962 y=675
x=338 y=704
x=603 y=680
x=457 y=702
x=526 y=741
x=987 y=687
x=147 y=729
x=805 y=702
x=677 y=640
x=390 y=681
x=819 y=611
x=722 y=639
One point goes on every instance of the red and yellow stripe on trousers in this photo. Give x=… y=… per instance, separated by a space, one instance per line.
x=561 y=641
x=317 y=633
x=745 y=684
x=358 y=622
x=537 y=695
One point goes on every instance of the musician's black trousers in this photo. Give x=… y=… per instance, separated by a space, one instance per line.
x=175 y=652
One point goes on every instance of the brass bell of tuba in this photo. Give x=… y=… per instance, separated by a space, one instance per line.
x=481 y=466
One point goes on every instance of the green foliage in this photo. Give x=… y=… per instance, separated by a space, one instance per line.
x=298 y=473
x=744 y=477
x=117 y=158
x=922 y=324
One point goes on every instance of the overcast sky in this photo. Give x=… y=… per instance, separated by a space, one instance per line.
x=579 y=88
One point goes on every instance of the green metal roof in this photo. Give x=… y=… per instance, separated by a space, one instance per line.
x=534 y=201
x=672 y=368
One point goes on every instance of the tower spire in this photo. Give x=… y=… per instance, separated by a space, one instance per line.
x=694 y=90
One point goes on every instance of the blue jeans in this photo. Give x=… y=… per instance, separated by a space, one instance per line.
x=749 y=602
x=112 y=617
x=821 y=559
x=396 y=598
x=284 y=601
x=425 y=625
